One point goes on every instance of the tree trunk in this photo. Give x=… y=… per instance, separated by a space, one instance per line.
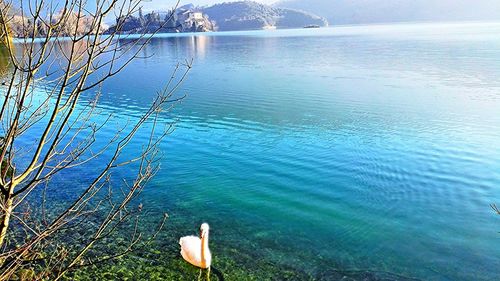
x=5 y=219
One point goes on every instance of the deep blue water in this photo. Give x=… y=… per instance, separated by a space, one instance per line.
x=354 y=148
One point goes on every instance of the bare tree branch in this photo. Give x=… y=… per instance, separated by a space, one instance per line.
x=48 y=102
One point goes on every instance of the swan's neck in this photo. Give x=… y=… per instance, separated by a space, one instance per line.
x=204 y=250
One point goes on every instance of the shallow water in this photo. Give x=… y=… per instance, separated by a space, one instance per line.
x=313 y=152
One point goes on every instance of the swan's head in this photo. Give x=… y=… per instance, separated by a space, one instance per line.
x=204 y=229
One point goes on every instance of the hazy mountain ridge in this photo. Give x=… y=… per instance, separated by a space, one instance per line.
x=379 y=11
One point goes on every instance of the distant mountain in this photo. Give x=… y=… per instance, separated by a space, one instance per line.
x=379 y=11
x=245 y=15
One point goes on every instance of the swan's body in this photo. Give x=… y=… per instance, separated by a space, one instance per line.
x=195 y=249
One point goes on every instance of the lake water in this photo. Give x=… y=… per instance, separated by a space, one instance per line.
x=360 y=151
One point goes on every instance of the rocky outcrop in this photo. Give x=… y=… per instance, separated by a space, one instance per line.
x=242 y=15
x=184 y=19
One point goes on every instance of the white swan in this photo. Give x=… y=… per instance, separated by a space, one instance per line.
x=195 y=249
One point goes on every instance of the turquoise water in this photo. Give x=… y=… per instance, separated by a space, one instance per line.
x=354 y=149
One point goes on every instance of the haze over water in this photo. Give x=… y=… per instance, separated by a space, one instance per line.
x=348 y=148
